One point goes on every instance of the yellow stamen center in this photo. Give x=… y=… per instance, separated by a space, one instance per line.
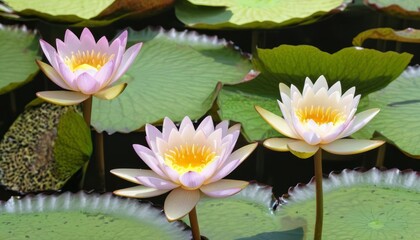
x=320 y=115
x=87 y=60
x=187 y=157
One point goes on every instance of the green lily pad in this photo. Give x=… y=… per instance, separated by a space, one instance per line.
x=246 y=215
x=43 y=148
x=83 y=12
x=399 y=103
x=368 y=70
x=408 y=35
x=85 y=216
x=370 y=205
x=176 y=74
x=19 y=49
x=218 y=14
x=406 y=8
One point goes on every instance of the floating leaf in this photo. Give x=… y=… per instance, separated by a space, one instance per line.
x=85 y=216
x=370 y=205
x=84 y=12
x=408 y=35
x=43 y=148
x=368 y=70
x=253 y=14
x=399 y=103
x=406 y=8
x=19 y=49
x=246 y=215
x=176 y=74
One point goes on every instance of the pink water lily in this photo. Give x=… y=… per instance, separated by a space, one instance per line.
x=86 y=67
x=188 y=162
x=319 y=117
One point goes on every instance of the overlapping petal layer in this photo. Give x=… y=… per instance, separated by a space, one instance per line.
x=317 y=118
x=86 y=67
x=187 y=161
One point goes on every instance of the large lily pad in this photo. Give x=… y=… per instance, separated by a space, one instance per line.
x=43 y=148
x=253 y=14
x=370 y=205
x=84 y=12
x=85 y=216
x=408 y=35
x=368 y=70
x=399 y=103
x=19 y=49
x=406 y=8
x=176 y=74
x=246 y=215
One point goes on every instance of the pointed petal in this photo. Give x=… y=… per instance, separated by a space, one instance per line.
x=359 y=121
x=191 y=180
x=206 y=126
x=351 y=146
x=278 y=144
x=127 y=60
x=301 y=149
x=180 y=202
x=53 y=75
x=130 y=174
x=153 y=180
x=48 y=50
x=225 y=170
x=243 y=152
x=223 y=188
x=276 y=122
x=140 y=192
x=87 y=84
x=320 y=83
x=111 y=92
x=167 y=128
x=104 y=74
x=149 y=158
x=64 y=98
x=335 y=88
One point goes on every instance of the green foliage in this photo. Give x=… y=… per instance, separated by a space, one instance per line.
x=19 y=49
x=218 y=14
x=407 y=35
x=176 y=74
x=398 y=119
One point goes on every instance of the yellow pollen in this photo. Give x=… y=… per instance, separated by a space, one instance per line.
x=87 y=60
x=320 y=115
x=186 y=158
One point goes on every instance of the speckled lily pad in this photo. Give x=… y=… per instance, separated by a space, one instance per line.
x=85 y=216
x=360 y=205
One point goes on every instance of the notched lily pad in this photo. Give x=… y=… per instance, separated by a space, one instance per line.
x=406 y=9
x=399 y=103
x=19 y=49
x=369 y=70
x=409 y=35
x=43 y=148
x=359 y=205
x=246 y=215
x=176 y=74
x=85 y=216
x=218 y=14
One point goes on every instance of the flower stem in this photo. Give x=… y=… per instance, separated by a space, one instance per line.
x=100 y=160
x=87 y=110
x=194 y=224
x=319 y=197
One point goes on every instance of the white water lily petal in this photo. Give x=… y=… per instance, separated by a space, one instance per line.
x=302 y=150
x=223 y=188
x=351 y=146
x=140 y=192
x=155 y=181
x=191 y=180
x=359 y=121
x=276 y=122
x=278 y=144
x=52 y=74
x=149 y=158
x=180 y=202
x=130 y=174
x=64 y=98
x=111 y=92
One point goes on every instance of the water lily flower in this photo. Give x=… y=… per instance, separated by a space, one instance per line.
x=188 y=162
x=86 y=67
x=319 y=117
